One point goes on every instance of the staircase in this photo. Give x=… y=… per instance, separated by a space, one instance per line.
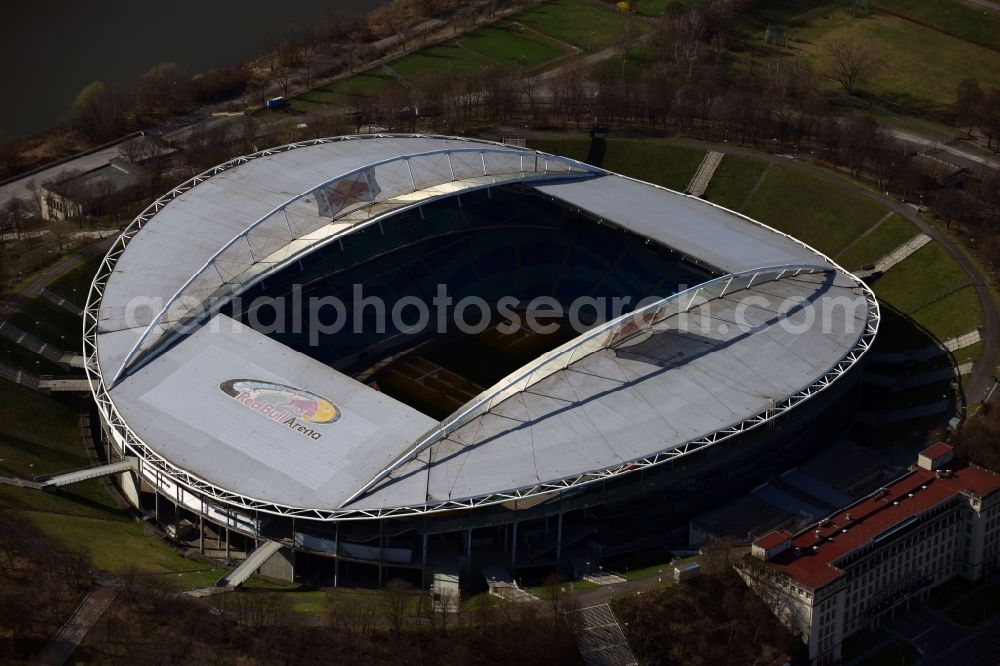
x=703 y=176
x=599 y=637
x=249 y=566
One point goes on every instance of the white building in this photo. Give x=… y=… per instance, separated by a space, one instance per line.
x=859 y=565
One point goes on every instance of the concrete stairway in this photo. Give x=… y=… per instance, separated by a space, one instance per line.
x=599 y=637
x=896 y=256
x=703 y=176
x=250 y=565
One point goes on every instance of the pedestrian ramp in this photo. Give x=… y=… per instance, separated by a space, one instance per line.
x=69 y=478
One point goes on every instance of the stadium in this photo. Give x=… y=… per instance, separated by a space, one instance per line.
x=252 y=385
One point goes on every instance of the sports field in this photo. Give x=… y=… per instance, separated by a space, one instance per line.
x=585 y=25
x=515 y=43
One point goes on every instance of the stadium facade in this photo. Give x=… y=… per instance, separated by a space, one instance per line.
x=398 y=449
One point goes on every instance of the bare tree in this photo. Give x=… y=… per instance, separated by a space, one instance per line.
x=968 y=98
x=396 y=597
x=851 y=59
x=990 y=122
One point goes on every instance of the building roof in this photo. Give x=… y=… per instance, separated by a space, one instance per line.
x=937 y=450
x=772 y=539
x=115 y=176
x=872 y=518
x=724 y=366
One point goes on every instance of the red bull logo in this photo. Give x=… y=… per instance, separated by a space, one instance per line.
x=292 y=407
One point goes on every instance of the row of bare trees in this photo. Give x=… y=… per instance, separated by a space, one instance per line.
x=979 y=107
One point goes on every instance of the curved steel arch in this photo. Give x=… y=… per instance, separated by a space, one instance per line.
x=524 y=176
x=598 y=338
x=151 y=463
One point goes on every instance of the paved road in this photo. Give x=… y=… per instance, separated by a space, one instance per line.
x=58 y=650
x=42 y=280
x=988 y=5
x=961 y=154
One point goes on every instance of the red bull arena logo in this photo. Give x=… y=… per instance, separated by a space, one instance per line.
x=291 y=407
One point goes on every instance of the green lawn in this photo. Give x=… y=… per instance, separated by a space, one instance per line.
x=51 y=323
x=734 y=179
x=343 y=92
x=513 y=43
x=889 y=235
x=575 y=148
x=956 y=314
x=74 y=285
x=38 y=419
x=920 y=279
x=654 y=8
x=920 y=66
x=953 y=16
x=821 y=214
x=40 y=435
x=660 y=163
x=114 y=542
x=447 y=57
x=583 y=24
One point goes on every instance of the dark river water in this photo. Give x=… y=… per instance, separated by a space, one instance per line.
x=51 y=49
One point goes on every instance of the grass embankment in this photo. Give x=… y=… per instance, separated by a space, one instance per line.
x=75 y=284
x=824 y=215
x=573 y=147
x=661 y=163
x=734 y=180
x=931 y=288
x=40 y=435
x=50 y=322
x=16 y=356
x=886 y=237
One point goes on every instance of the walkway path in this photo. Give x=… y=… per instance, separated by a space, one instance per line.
x=896 y=256
x=706 y=170
x=58 y=650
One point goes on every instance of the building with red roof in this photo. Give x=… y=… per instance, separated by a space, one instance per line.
x=846 y=572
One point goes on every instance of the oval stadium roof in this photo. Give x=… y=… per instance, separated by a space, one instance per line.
x=606 y=406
